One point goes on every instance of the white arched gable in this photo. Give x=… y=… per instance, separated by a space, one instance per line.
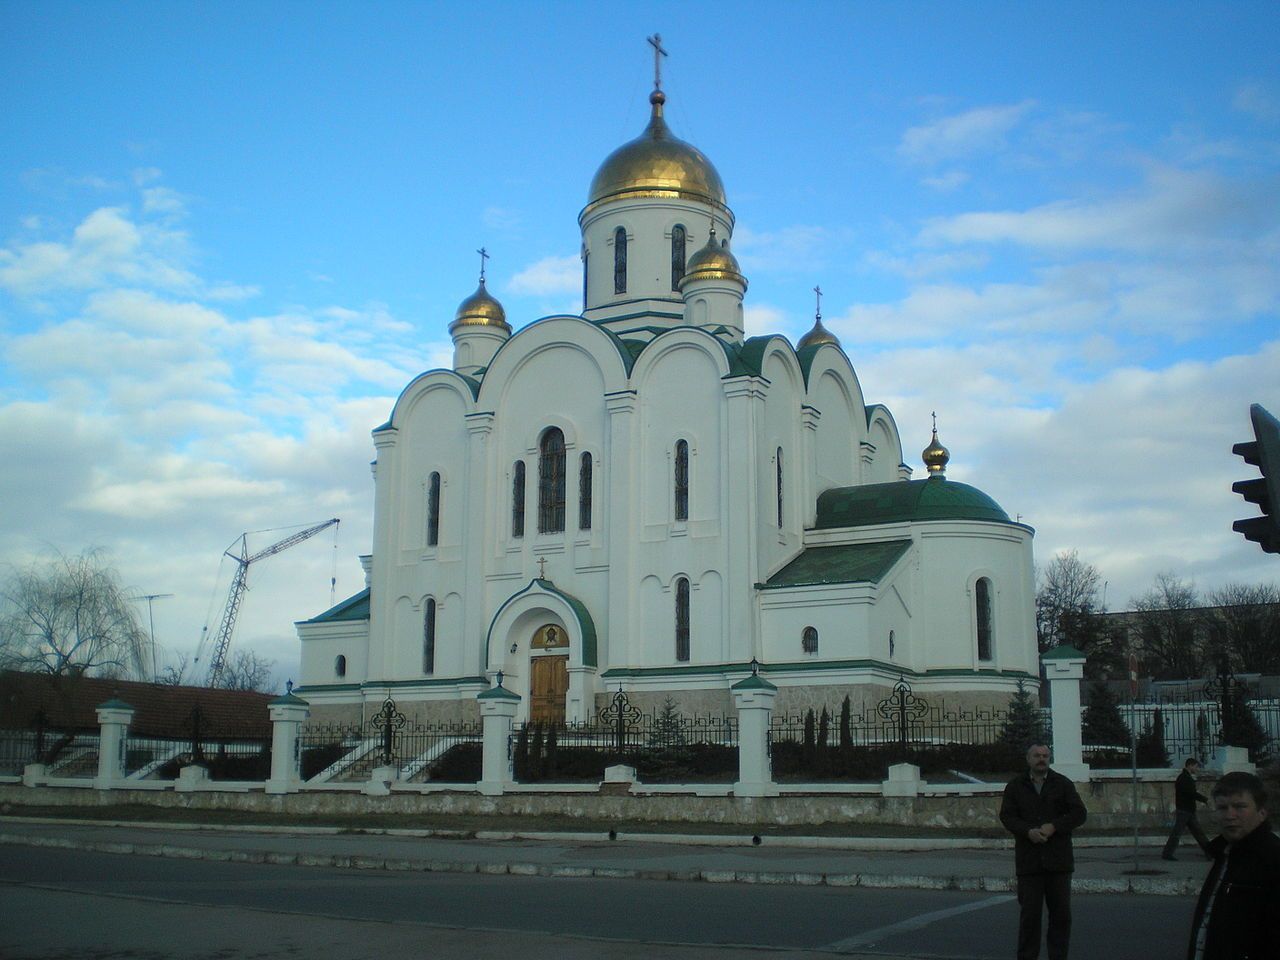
x=604 y=351
x=780 y=366
x=882 y=434
x=679 y=338
x=425 y=384
x=830 y=362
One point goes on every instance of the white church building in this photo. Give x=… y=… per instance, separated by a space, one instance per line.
x=640 y=498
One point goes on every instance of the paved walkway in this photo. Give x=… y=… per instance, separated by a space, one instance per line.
x=1103 y=865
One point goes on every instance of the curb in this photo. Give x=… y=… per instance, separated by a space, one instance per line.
x=1148 y=886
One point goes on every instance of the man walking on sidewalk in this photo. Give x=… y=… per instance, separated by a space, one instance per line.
x=1041 y=808
x=1185 y=797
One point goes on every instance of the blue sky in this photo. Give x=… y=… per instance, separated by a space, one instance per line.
x=230 y=233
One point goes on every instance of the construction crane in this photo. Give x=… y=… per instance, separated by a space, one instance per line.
x=239 y=583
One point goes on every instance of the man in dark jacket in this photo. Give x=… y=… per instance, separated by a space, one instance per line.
x=1238 y=914
x=1041 y=808
x=1185 y=797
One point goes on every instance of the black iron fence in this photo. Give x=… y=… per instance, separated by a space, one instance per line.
x=861 y=741
x=445 y=751
x=228 y=751
x=64 y=752
x=663 y=746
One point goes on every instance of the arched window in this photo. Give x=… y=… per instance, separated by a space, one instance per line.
x=778 y=467
x=682 y=619
x=677 y=256
x=982 y=603
x=682 y=480
x=809 y=640
x=433 y=510
x=517 y=499
x=551 y=482
x=891 y=644
x=584 y=492
x=586 y=263
x=340 y=666
x=429 y=638
x=620 y=260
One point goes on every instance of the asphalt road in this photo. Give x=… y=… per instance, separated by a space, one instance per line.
x=59 y=905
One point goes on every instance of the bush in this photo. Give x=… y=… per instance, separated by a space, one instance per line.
x=1103 y=725
x=461 y=763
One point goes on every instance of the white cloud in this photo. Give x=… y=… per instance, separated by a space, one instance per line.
x=948 y=181
x=550 y=275
x=760 y=318
x=977 y=130
x=163 y=201
x=791 y=248
x=1258 y=100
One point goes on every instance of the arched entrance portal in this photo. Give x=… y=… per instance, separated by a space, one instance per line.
x=548 y=674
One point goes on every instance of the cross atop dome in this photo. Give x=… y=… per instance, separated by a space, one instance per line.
x=658 y=53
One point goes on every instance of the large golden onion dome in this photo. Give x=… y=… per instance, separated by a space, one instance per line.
x=480 y=310
x=713 y=262
x=818 y=335
x=657 y=164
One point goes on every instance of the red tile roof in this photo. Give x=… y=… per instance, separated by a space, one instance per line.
x=70 y=703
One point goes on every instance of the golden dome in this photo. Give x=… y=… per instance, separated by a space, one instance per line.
x=819 y=334
x=713 y=262
x=935 y=455
x=480 y=310
x=657 y=164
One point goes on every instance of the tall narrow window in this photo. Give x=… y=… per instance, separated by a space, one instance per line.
x=620 y=260
x=586 y=263
x=340 y=666
x=517 y=499
x=551 y=482
x=779 y=472
x=682 y=480
x=433 y=510
x=809 y=640
x=677 y=256
x=682 y=619
x=982 y=600
x=584 y=492
x=429 y=638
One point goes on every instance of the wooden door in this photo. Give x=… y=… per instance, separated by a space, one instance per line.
x=549 y=683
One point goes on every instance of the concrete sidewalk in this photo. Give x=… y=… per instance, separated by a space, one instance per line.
x=1103 y=865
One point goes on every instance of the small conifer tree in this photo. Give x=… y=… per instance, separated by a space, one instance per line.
x=1103 y=726
x=668 y=727
x=1151 y=749
x=1022 y=725
x=846 y=727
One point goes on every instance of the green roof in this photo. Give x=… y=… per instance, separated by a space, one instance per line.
x=753 y=682
x=936 y=498
x=1063 y=651
x=847 y=563
x=352 y=608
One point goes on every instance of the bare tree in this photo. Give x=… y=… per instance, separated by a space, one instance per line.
x=247 y=671
x=1245 y=622
x=1171 y=626
x=174 y=674
x=1067 y=589
x=69 y=616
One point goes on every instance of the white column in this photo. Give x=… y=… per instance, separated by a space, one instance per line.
x=753 y=698
x=476 y=541
x=287 y=714
x=498 y=707
x=114 y=718
x=1064 y=666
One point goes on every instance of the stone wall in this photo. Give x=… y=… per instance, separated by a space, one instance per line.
x=1108 y=802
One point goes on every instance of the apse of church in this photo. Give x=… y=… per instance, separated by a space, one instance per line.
x=640 y=497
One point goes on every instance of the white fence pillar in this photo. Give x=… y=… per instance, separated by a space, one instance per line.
x=114 y=718
x=498 y=707
x=287 y=715
x=1064 y=666
x=753 y=698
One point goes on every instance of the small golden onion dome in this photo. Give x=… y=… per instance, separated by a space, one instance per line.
x=480 y=310
x=715 y=261
x=818 y=335
x=935 y=456
x=657 y=164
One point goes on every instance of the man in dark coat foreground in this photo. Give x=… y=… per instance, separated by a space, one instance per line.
x=1238 y=914
x=1041 y=808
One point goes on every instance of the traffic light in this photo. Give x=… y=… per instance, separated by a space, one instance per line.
x=1264 y=453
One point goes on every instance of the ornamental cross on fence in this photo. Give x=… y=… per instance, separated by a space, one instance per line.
x=387 y=721
x=620 y=715
x=195 y=723
x=902 y=707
